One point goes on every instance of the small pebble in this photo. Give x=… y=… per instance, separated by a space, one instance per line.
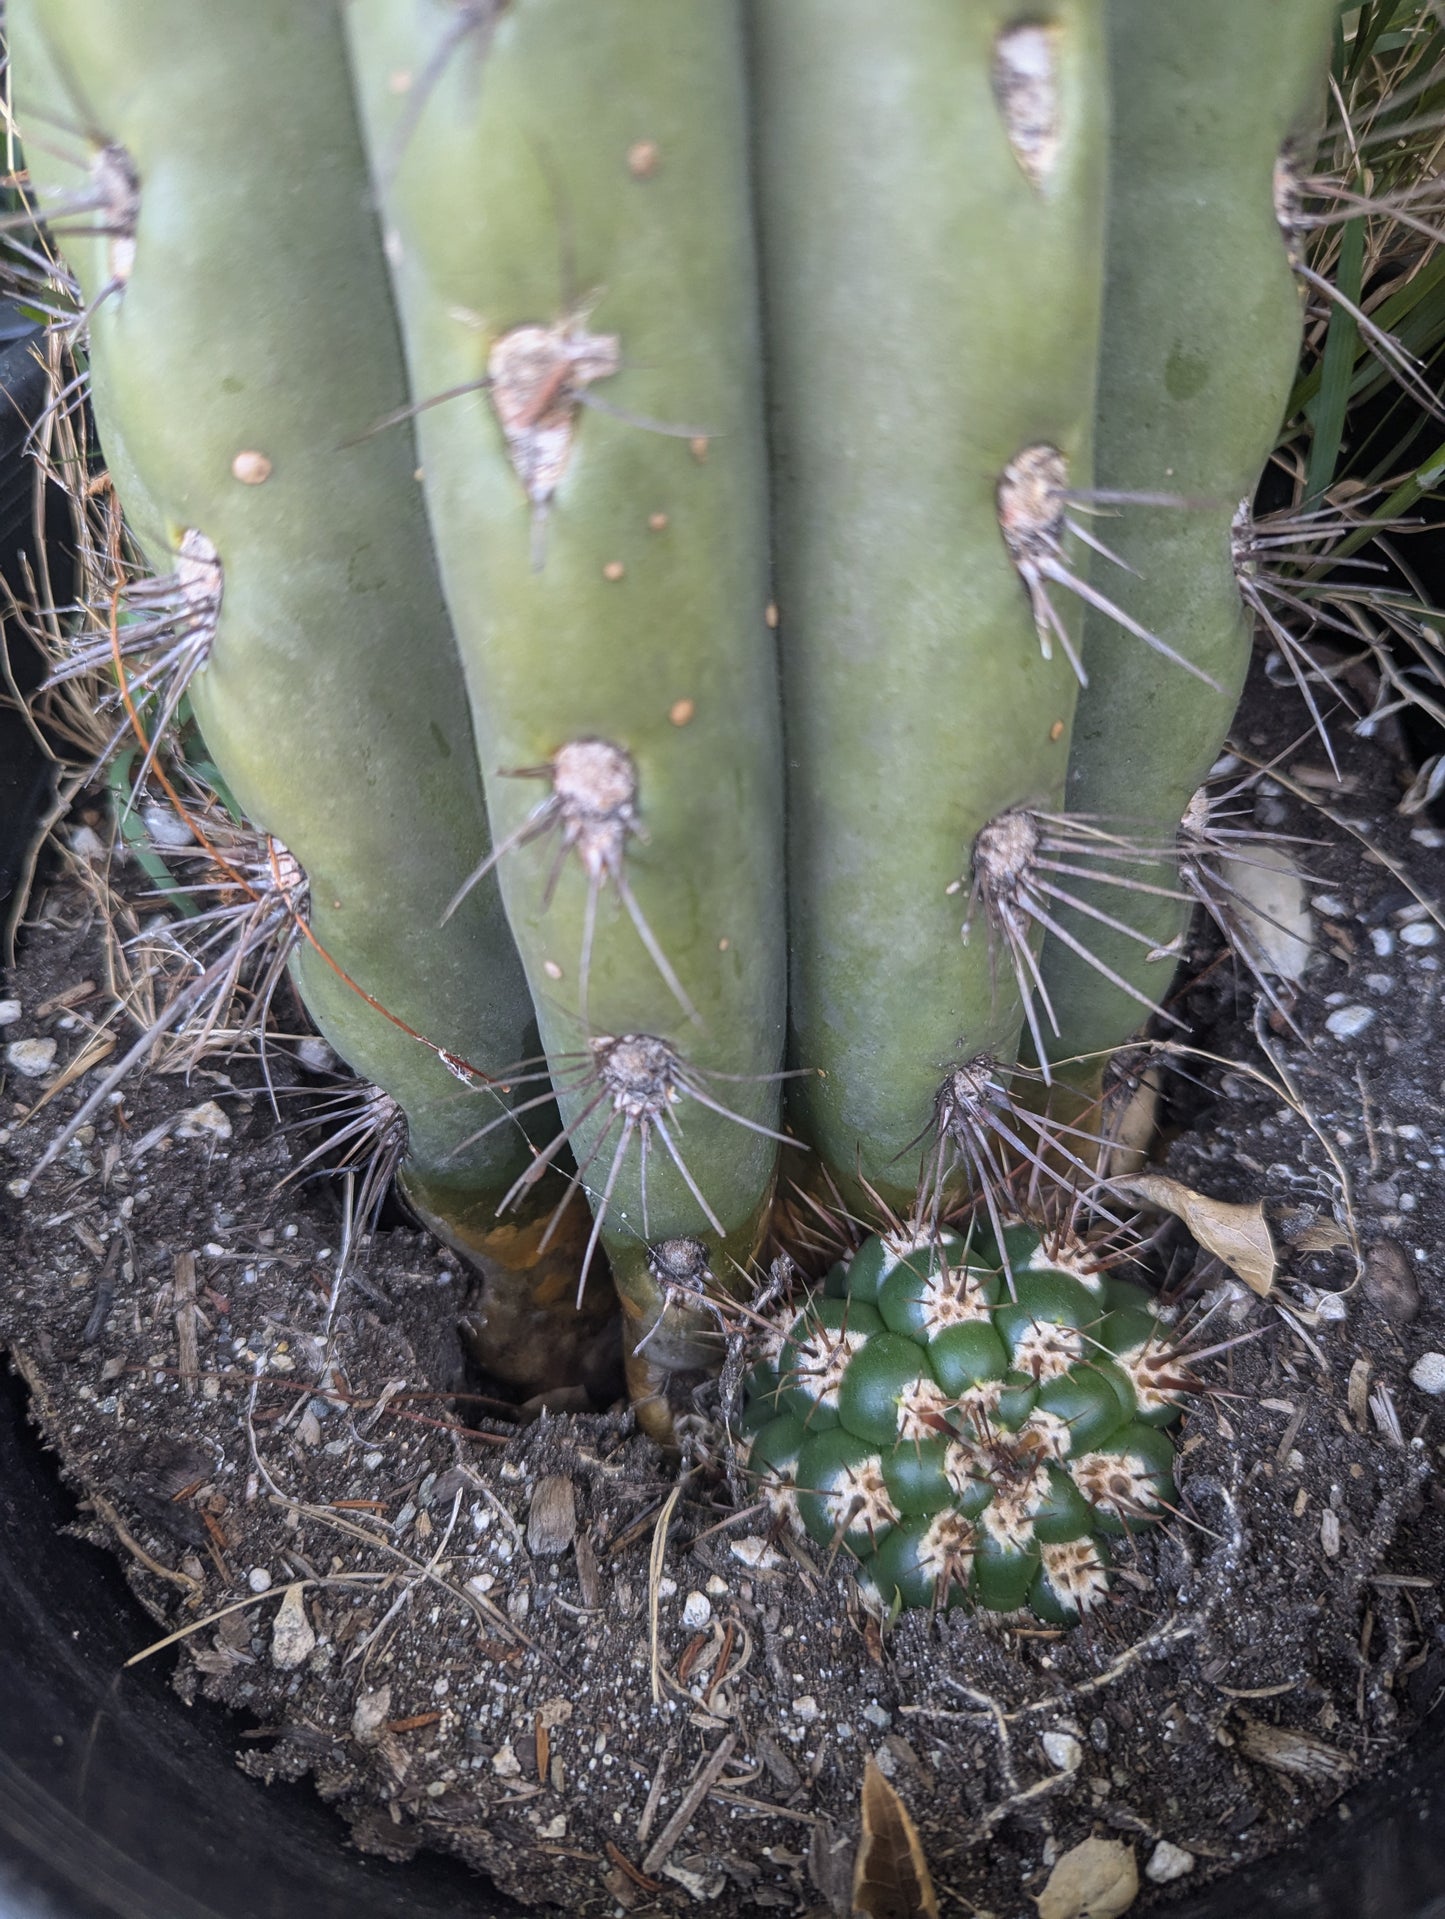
x=1349 y=1021
x=717 y=1587
x=258 y=1579
x=1168 y=1861
x=756 y=1552
x=1330 y=905
x=10 y=1011
x=877 y=1715
x=1063 y=1751
x=166 y=829
x=1428 y=1373
x=293 y=1637
x=87 y=844
x=805 y=1708
x=1421 y=933
x=696 y=1611
x=1383 y=941
x=1379 y=982
x=314 y=1054
x=506 y=1764
x=31 y=1058
x=370 y=1714
x=205 y=1121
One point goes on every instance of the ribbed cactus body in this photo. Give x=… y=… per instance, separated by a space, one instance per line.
x=933 y=242
x=971 y=1436
x=1201 y=337
x=608 y=585
x=332 y=696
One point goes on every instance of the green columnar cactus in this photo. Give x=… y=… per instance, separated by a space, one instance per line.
x=607 y=571
x=1192 y=390
x=330 y=692
x=430 y=341
x=971 y=1436
x=931 y=190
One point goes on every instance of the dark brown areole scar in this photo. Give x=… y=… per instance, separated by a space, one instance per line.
x=535 y=376
x=593 y=811
x=1033 y=498
x=1025 y=81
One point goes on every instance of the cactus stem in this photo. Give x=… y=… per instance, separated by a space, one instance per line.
x=1033 y=497
x=592 y=807
x=636 y=1079
x=478 y=17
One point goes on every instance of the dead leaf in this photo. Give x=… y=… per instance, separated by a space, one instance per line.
x=1096 y=1879
x=890 y=1874
x=1236 y=1234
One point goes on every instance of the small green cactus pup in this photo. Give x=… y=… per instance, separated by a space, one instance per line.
x=972 y=1434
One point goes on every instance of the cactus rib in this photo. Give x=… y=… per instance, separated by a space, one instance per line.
x=607 y=580
x=230 y=398
x=1201 y=334
x=932 y=232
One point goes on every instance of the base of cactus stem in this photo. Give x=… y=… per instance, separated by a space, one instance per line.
x=649 y=1388
x=523 y=1324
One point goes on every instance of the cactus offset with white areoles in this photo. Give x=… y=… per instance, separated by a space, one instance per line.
x=971 y=1435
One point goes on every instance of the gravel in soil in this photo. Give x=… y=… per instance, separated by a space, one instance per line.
x=529 y=1644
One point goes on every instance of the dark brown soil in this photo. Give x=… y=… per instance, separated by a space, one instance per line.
x=445 y=1616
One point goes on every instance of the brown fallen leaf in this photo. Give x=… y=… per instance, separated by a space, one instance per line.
x=890 y=1874
x=1096 y=1879
x=1236 y=1234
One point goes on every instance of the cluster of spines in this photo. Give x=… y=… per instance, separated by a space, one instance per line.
x=972 y=1421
